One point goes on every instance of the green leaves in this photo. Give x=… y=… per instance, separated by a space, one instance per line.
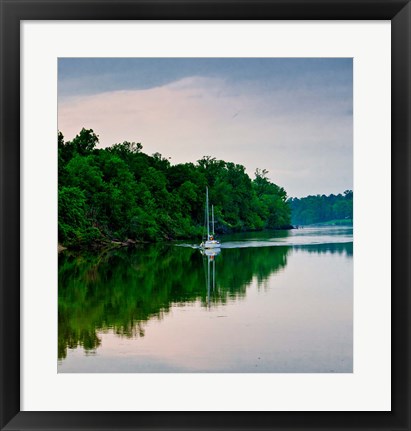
x=120 y=193
x=72 y=213
x=85 y=142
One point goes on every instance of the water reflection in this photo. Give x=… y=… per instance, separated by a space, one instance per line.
x=295 y=237
x=345 y=249
x=209 y=259
x=123 y=289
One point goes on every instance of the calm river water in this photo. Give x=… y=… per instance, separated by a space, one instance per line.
x=278 y=302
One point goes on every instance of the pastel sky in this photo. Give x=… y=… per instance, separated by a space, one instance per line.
x=293 y=117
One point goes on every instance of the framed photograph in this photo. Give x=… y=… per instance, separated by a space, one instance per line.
x=227 y=186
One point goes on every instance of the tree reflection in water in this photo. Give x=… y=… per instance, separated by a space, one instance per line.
x=123 y=289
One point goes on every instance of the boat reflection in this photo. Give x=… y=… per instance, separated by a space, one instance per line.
x=209 y=258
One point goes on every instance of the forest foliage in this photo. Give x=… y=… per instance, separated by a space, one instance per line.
x=319 y=209
x=119 y=193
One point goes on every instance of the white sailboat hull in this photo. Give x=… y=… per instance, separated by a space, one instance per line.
x=212 y=244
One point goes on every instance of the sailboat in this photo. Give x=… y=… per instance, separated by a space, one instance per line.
x=210 y=242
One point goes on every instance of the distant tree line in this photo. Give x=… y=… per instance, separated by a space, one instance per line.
x=120 y=193
x=332 y=209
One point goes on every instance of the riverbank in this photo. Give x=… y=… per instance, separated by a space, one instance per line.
x=103 y=244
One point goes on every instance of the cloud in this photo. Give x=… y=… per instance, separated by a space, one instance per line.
x=287 y=131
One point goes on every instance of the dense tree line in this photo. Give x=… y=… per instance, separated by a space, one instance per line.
x=332 y=209
x=120 y=193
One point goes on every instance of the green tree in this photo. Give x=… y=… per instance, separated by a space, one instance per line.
x=123 y=193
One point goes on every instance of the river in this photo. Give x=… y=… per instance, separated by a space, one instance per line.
x=269 y=302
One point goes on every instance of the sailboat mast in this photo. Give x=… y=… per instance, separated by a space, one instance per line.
x=212 y=217
x=208 y=215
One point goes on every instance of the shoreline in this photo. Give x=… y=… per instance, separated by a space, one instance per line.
x=106 y=245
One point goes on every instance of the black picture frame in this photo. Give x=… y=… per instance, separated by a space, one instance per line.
x=12 y=12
